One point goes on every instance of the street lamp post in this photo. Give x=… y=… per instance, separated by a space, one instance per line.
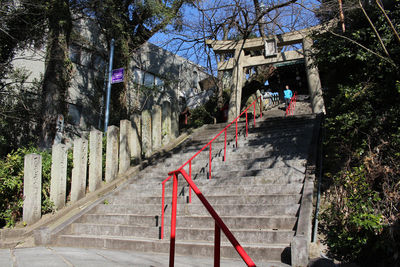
x=109 y=86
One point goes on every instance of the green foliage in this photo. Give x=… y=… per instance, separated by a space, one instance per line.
x=362 y=139
x=11 y=185
x=351 y=220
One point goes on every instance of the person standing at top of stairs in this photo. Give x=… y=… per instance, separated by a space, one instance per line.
x=287 y=94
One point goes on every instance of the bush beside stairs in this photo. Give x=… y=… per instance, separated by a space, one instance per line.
x=257 y=192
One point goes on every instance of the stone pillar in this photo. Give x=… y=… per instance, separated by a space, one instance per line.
x=237 y=84
x=124 y=150
x=166 y=123
x=146 y=133
x=32 y=210
x=112 y=153
x=156 y=127
x=314 y=83
x=134 y=139
x=58 y=183
x=136 y=122
x=299 y=251
x=95 y=160
x=79 y=171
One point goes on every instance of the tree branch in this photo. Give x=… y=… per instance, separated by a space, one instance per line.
x=389 y=21
x=364 y=47
x=373 y=27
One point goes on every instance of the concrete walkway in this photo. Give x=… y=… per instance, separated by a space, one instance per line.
x=83 y=257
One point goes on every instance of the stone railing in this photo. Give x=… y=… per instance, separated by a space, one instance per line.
x=143 y=136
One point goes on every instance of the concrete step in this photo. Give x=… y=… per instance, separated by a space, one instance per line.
x=264 y=151
x=213 y=199
x=233 y=174
x=193 y=234
x=287 y=177
x=235 y=222
x=236 y=165
x=199 y=209
x=252 y=133
x=142 y=191
x=258 y=252
x=192 y=146
x=250 y=140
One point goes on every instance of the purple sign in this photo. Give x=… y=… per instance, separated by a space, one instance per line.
x=117 y=76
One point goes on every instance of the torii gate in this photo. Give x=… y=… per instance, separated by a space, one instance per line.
x=242 y=60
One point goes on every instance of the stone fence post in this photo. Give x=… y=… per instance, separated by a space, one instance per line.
x=134 y=138
x=95 y=159
x=32 y=210
x=79 y=171
x=112 y=153
x=146 y=133
x=58 y=183
x=124 y=149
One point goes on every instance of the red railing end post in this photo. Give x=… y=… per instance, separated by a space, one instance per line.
x=173 y=219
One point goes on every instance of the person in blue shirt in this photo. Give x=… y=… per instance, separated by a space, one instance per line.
x=287 y=94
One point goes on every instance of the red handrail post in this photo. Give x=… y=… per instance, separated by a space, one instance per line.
x=163 y=205
x=162 y=210
x=225 y=145
x=217 y=245
x=261 y=107
x=236 y=134
x=246 y=124
x=254 y=114
x=209 y=163
x=190 y=175
x=173 y=220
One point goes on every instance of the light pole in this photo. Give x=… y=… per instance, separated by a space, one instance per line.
x=109 y=86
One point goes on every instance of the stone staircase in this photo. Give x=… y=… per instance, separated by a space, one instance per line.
x=257 y=193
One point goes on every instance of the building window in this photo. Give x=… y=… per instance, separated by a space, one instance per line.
x=195 y=79
x=159 y=83
x=148 y=79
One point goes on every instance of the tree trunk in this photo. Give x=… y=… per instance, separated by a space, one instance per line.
x=58 y=68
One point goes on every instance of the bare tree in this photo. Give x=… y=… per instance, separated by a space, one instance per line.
x=236 y=19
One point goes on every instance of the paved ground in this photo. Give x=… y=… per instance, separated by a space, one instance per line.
x=82 y=257
x=302 y=107
x=63 y=256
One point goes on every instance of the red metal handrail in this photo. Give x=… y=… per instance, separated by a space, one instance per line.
x=219 y=223
x=292 y=105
